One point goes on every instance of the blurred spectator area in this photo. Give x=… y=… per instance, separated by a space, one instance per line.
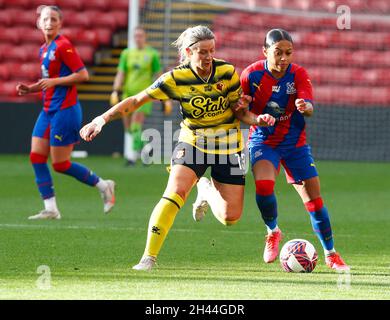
x=347 y=66
x=90 y=25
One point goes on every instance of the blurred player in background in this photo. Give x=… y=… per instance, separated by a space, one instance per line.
x=56 y=129
x=210 y=136
x=137 y=70
x=278 y=87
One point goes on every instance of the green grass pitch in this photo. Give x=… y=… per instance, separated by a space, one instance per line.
x=90 y=255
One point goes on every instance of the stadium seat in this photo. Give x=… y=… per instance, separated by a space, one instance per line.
x=86 y=53
x=30 y=35
x=8 y=35
x=5 y=18
x=29 y=72
x=22 y=53
x=75 y=5
x=80 y=19
x=121 y=18
x=25 y=4
x=35 y=4
x=8 y=89
x=70 y=32
x=24 y=18
x=297 y=4
x=104 y=36
x=122 y=5
x=4 y=72
x=360 y=58
x=380 y=59
x=87 y=37
x=380 y=6
x=101 y=5
x=102 y=19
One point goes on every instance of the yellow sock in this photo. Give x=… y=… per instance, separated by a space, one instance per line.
x=226 y=222
x=160 y=222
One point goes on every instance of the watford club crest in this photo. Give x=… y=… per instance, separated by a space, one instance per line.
x=220 y=86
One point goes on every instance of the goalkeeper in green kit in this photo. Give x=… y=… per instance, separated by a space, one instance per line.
x=137 y=69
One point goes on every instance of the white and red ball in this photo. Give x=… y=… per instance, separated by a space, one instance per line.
x=298 y=255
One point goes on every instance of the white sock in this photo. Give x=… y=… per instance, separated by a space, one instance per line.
x=214 y=199
x=269 y=231
x=328 y=252
x=128 y=151
x=51 y=204
x=101 y=185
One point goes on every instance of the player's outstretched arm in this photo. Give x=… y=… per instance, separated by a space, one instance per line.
x=123 y=108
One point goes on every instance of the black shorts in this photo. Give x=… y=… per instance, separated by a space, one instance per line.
x=225 y=168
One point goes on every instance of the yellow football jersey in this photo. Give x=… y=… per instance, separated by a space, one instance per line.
x=208 y=121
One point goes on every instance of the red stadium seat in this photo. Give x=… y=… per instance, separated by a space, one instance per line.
x=88 y=37
x=29 y=72
x=77 y=19
x=104 y=36
x=122 y=5
x=380 y=6
x=100 y=20
x=360 y=58
x=5 y=18
x=22 y=53
x=35 y=4
x=8 y=89
x=86 y=53
x=8 y=35
x=30 y=35
x=297 y=4
x=24 y=18
x=101 y=5
x=121 y=18
x=71 y=32
x=4 y=72
x=25 y=4
x=377 y=96
x=76 y=5
x=380 y=59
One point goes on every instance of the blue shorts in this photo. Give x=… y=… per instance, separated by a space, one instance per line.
x=298 y=163
x=61 y=127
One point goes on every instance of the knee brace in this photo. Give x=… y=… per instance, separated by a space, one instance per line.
x=265 y=187
x=62 y=166
x=314 y=205
x=37 y=158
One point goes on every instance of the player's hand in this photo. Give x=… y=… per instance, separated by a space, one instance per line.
x=265 y=120
x=243 y=103
x=303 y=106
x=92 y=129
x=22 y=89
x=114 y=98
x=45 y=84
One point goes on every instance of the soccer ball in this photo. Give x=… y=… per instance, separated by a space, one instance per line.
x=298 y=255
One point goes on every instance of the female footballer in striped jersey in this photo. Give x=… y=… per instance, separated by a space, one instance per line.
x=210 y=136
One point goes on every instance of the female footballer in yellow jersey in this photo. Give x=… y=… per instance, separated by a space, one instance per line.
x=208 y=90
